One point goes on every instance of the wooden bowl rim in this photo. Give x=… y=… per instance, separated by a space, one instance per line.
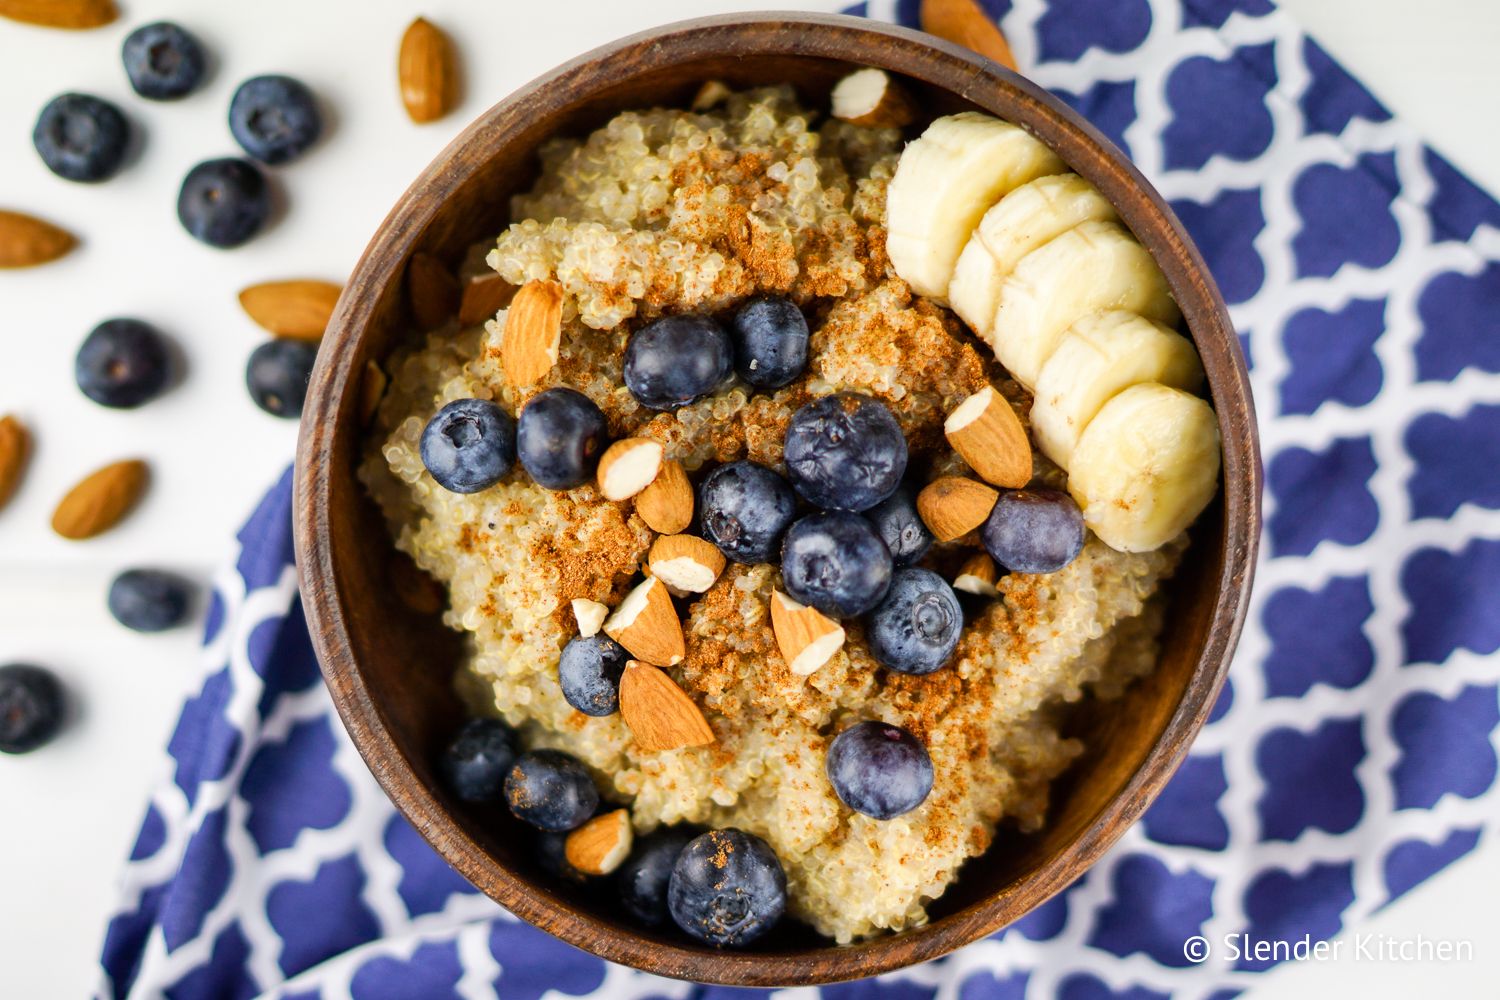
x=857 y=40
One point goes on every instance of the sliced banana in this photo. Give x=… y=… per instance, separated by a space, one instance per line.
x=1025 y=219
x=944 y=182
x=1146 y=466
x=1091 y=268
x=1098 y=357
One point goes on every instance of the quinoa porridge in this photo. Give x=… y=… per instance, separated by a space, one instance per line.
x=668 y=212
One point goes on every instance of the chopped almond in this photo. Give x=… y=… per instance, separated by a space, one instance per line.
x=590 y=616
x=807 y=638
x=628 y=466
x=978 y=575
x=988 y=434
x=686 y=562
x=602 y=844
x=667 y=504
x=870 y=97
x=646 y=624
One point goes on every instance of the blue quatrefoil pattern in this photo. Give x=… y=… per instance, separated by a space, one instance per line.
x=1352 y=755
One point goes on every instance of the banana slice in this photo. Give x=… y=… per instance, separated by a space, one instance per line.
x=1091 y=268
x=1146 y=466
x=944 y=182
x=1097 y=358
x=1025 y=219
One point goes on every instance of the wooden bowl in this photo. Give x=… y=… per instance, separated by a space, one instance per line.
x=390 y=669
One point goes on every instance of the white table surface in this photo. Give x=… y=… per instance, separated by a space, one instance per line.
x=68 y=814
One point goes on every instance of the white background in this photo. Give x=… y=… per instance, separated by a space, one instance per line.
x=68 y=814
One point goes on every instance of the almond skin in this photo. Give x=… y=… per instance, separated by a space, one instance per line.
x=658 y=713
x=100 y=501
x=72 y=14
x=667 y=504
x=432 y=290
x=15 y=449
x=646 y=624
x=602 y=844
x=297 y=309
x=484 y=295
x=533 y=330
x=687 y=562
x=427 y=72
x=952 y=507
x=26 y=241
x=964 y=23
x=986 y=432
x=806 y=637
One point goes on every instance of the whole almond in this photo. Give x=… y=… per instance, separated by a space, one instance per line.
x=100 y=501
x=432 y=290
x=74 y=14
x=658 y=713
x=964 y=22
x=26 y=241
x=533 y=330
x=667 y=504
x=15 y=448
x=427 y=72
x=952 y=507
x=484 y=295
x=299 y=309
x=986 y=432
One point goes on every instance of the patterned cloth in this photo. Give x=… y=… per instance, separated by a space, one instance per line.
x=1351 y=757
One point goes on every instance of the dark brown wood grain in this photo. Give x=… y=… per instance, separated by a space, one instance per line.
x=390 y=668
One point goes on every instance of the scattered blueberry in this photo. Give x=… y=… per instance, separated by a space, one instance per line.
x=770 y=342
x=31 y=707
x=468 y=445
x=475 y=764
x=845 y=452
x=163 y=61
x=559 y=437
x=552 y=855
x=224 y=202
x=897 y=523
x=727 y=888
x=149 y=600
x=277 y=376
x=274 y=118
x=916 y=628
x=879 y=770
x=745 y=508
x=123 y=363
x=550 y=790
x=677 y=359
x=836 y=563
x=1033 y=530
x=645 y=875
x=81 y=137
x=589 y=672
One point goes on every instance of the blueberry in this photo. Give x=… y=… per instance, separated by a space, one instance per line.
x=879 y=770
x=727 y=888
x=676 y=360
x=643 y=878
x=897 y=523
x=81 y=137
x=915 y=629
x=845 y=452
x=31 y=707
x=836 y=563
x=149 y=600
x=475 y=764
x=744 y=509
x=551 y=790
x=469 y=445
x=224 y=202
x=559 y=437
x=277 y=376
x=589 y=672
x=770 y=342
x=1033 y=530
x=163 y=61
x=274 y=118
x=552 y=855
x=123 y=363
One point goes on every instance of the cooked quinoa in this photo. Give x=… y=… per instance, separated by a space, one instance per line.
x=670 y=211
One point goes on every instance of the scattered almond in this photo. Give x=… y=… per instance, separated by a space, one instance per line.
x=432 y=289
x=372 y=383
x=602 y=844
x=15 y=448
x=667 y=504
x=807 y=637
x=427 y=72
x=26 y=241
x=100 y=501
x=533 y=329
x=590 y=616
x=986 y=432
x=978 y=575
x=414 y=587
x=964 y=22
x=658 y=713
x=686 y=562
x=299 y=309
x=870 y=97
x=646 y=624
x=628 y=466
x=952 y=507
x=484 y=295
x=712 y=93
x=74 y=14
